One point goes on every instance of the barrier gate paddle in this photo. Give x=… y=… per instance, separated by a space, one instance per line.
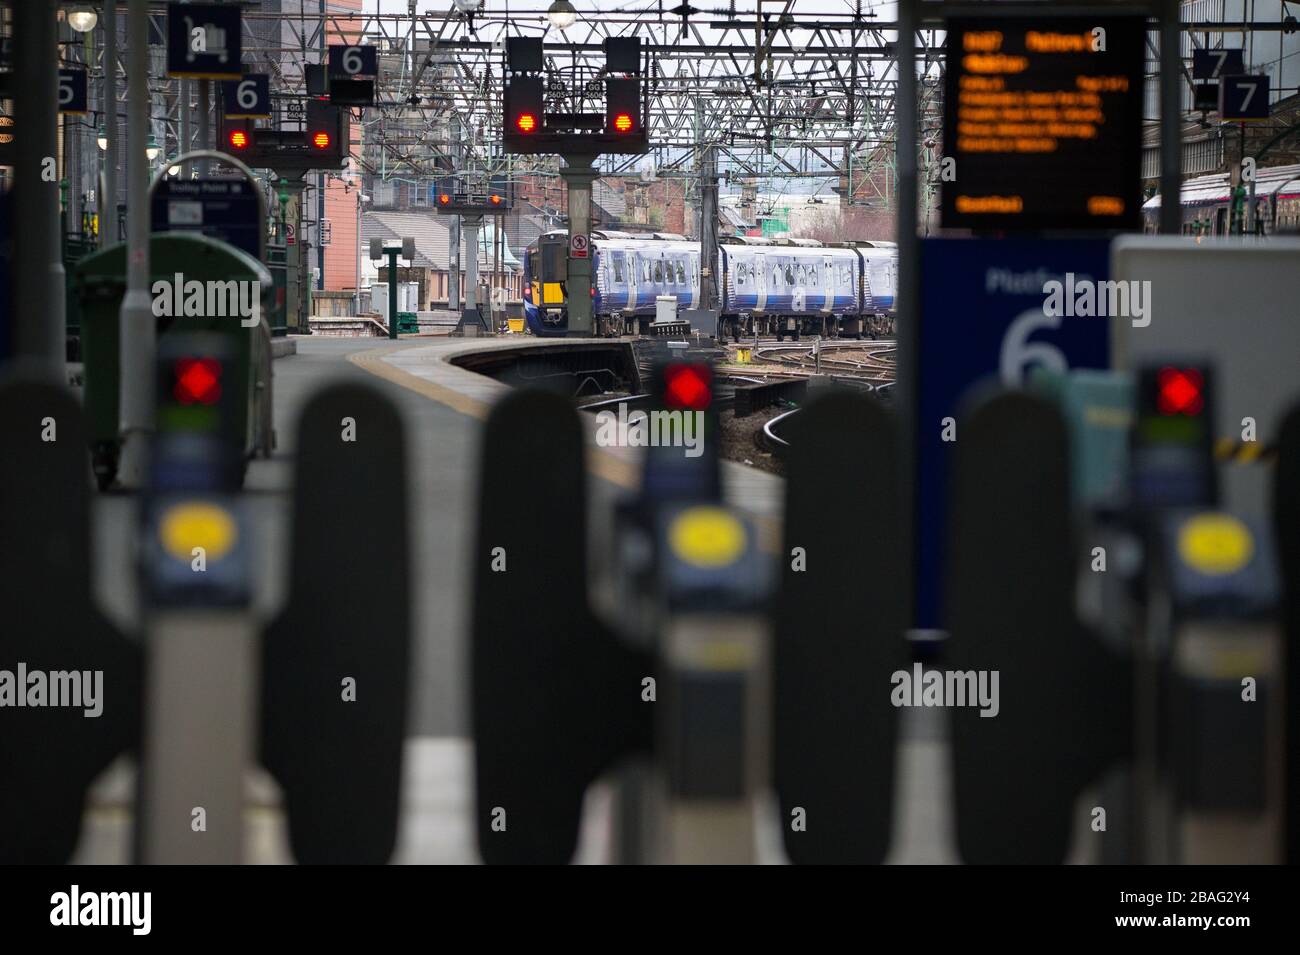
x=1286 y=522
x=55 y=638
x=335 y=665
x=555 y=695
x=1063 y=699
x=839 y=633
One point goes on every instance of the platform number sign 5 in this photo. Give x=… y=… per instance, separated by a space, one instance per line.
x=1243 y=98
x=72 y=91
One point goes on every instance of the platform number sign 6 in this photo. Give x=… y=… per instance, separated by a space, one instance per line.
x=246 y=94
x=352 y=61
x=249 y=97
x=1018 y=353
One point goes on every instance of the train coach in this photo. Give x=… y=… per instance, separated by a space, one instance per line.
x=784 y=287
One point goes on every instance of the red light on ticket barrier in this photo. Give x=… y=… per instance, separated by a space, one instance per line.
x=688 y=386
x=198 y=381
x=1180 y=391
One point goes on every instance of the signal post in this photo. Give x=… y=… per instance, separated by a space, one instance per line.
x=471 y=199
x=568 y=128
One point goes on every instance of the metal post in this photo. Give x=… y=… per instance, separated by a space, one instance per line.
x=392 y=290
x=108 y=199
x=205 y=134
x=578 y=175
x=37 y=258
x=137 y=322
x=295 y=296
x=909 y=280
x=453 y=229
x=708 y=228
x=471 y=312
x=1171 y=155
x=187 y=119
x=357 y=293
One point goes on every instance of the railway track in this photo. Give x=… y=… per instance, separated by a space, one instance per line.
x=872 y=361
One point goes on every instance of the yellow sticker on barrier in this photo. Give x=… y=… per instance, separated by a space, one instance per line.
x=187 y=526
x=707 y=537
x=1215 y=544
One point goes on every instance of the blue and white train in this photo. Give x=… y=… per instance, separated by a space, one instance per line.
x=768 y=287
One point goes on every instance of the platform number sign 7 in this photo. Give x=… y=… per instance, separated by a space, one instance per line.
x=1243 y=98
x=1215 y=64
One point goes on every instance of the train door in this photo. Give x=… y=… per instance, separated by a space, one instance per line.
x=693 y=266
x=828 y=283
x=633 y=277
x=759 y=265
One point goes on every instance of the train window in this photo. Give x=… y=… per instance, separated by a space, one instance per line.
x=681 y=273
x=645 y=271
x=659 y=271
x=789 y=274
x=616 y=258
x=776 y=276
x=741 y=269
x=812 y=275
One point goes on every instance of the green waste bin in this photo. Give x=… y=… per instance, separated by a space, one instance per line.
x=100 y=283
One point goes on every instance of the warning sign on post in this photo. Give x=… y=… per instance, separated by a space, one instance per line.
x=578 y=246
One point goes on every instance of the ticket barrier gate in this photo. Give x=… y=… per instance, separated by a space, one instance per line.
x=1192 y=593
x=705 y=696
x=320 y=699
x=1211 y=736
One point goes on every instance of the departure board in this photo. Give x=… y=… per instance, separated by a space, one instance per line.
x=1043 y=117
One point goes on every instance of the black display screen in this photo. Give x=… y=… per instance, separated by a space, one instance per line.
x=1043 y=117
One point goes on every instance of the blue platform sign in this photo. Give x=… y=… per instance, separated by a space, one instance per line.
x=990 y=310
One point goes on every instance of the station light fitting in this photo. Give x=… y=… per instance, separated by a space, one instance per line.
x=102 y=139
x=82 y=18
x=152 y=149
x=562 y=14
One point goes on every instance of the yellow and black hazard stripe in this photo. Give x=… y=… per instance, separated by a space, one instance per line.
x=1244 y=452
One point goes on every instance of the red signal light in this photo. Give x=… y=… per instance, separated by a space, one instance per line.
x=495 y=200
x=1179 y=391
x=321 y=140
x=622 y=122
x=688 y=386
x=238 y=138
x=198 y=381
x=526 y=122
x=444 y=199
